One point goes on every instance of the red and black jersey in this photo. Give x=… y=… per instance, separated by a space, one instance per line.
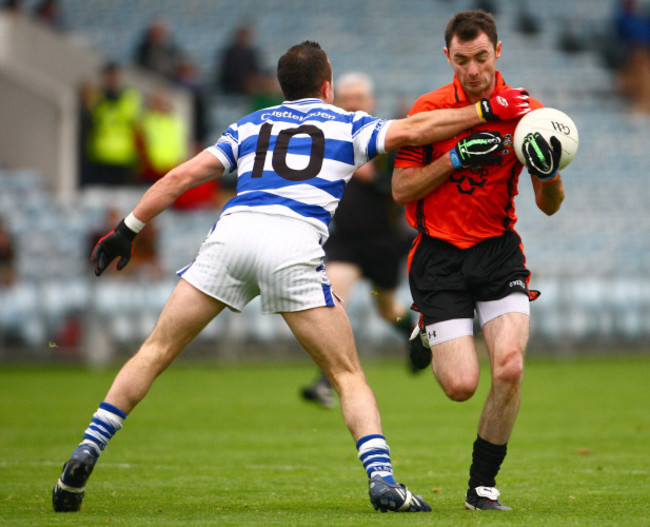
x=473 y=204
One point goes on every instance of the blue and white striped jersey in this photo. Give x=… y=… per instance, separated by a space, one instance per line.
x=296 y=158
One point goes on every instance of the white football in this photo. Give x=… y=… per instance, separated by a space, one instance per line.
x=548 y=122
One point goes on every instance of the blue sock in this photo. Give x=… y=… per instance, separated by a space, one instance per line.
x=105 y=422
x=374 y=453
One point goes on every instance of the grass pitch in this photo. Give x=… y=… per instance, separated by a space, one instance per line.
x=234 y=445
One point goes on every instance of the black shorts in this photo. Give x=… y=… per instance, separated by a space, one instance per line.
x=446 y=282
x=379 y=257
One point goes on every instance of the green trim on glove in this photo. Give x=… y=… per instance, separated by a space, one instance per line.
x=542 y=158
x=477 y=149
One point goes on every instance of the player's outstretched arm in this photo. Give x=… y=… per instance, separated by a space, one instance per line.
x=428 y=127
x=118 y=243
x=202 y=168
x=413 y=183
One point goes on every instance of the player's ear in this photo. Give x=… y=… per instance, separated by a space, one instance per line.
x=447 y=54
x=327 y=92
x=497 y=50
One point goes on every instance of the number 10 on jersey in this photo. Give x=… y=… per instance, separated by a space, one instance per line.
x=282 y=148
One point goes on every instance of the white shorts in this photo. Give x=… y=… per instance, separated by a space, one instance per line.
x=250 y=253
x=446 y=330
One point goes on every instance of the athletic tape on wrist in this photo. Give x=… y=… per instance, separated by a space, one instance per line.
x=455 y=159
x=480 y=110
x=134 y=223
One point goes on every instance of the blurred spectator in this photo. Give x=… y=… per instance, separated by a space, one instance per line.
x=632 y=26
x=162 y=138
x=526 y=22
x=206 y=196
x=632 y=23
x=239 y=64
x=145 y=260
x=49 y=12
x=87 y=95
x=11 y=316
x=265 y=91
x=163 y=144
x=571 y=39
x=156 y=51
x=12 y=6
x=188 y=78
x=368 y=236
x=113 y=217
x=634 y=79
x=7 y=257
x=110 y=144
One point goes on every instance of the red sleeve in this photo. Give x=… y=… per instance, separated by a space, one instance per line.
x=410 y=156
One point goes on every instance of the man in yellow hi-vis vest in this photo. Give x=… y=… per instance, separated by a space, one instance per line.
x=164 y=143
x=163 y=138
x=111 y=142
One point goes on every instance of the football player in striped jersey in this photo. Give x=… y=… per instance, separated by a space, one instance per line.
x=293 y=161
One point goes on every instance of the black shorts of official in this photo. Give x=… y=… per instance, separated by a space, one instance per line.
x=446 y=282
x=378 y=257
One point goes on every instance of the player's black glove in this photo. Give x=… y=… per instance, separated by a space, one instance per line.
x=542 y=159
x=116 y=243
x=477 y=149
x=508 y=104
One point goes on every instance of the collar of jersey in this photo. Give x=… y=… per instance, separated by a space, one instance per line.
x=462 y=96
x=304 y=101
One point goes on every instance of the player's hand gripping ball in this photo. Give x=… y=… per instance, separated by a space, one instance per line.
x=534 y=144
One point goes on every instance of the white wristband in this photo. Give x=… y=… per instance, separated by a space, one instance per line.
x=134 y=223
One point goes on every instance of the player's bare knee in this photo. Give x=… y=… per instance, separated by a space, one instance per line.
x=509 y=370
x=347 y=367
x=459 y=395
x=347 y=380
x=460 y=389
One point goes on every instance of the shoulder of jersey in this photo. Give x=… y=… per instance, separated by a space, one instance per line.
x=337 y=109
x=442 y=97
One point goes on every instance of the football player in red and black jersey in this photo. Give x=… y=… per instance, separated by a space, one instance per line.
x=459 y=195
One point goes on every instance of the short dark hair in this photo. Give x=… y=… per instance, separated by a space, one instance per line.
x=302 y=70
x=467 y=25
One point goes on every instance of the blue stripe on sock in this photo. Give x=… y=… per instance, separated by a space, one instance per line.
x=105 y=425
x=113 y=409
x=376 y=452
x=376 y=459
x=94 y=440
x=368 y=438
x=101 y=433
x=382 y=459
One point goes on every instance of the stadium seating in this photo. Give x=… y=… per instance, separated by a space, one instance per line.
x=590 y=260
